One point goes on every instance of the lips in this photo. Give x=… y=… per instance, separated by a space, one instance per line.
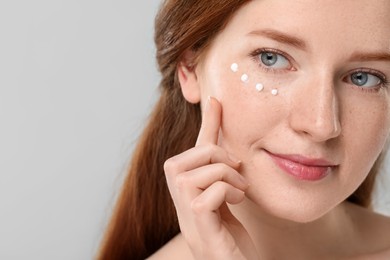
x=302 y=167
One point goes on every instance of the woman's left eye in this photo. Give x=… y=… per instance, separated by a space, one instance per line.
x=273 y=60
x=364 y=79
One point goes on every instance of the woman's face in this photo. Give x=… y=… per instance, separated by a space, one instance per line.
x=329 y=61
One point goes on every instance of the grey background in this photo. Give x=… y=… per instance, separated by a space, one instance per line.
x=77 y=81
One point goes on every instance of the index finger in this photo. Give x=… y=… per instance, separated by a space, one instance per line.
x=211 y=123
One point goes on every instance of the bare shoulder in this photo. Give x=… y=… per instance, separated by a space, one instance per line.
x=373 y=230
x=176 y=248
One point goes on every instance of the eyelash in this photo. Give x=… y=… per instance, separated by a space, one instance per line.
x=384 y=83
x=255 y=56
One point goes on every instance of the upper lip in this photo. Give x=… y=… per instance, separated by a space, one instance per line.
x=305 y=160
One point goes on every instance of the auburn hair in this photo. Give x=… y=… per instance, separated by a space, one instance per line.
x=144 y=218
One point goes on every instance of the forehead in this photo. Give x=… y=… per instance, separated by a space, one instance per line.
x=336 y=23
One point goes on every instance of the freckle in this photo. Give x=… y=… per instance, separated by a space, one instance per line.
x=274 y=92
x=245 y=78
x=259 y=87
x=234 y=67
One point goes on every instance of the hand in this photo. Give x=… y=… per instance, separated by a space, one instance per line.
x=201 y=181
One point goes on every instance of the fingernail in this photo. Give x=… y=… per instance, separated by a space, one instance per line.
x=233 y=158
x=207 y=107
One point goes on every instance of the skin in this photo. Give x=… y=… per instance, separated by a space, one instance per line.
x=232 y=200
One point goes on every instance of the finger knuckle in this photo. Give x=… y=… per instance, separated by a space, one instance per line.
x=223 y=167
x=221 y=170
x=212 y=148
x=182 y=182
x=221 y=187
x=171 y=166
x=198 y=206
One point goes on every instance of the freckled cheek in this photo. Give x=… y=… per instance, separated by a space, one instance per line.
x=249 y=116
x=369 y=121
x=365 y=129
x=250 y=112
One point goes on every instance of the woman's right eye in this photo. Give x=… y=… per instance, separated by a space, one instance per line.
x=271 y=60
x=274 y=60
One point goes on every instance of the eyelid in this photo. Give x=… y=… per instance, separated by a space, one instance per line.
x=382 y=77
x=257 y=52
x=255 y=56
x=376 y=73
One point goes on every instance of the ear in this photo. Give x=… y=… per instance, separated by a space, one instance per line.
x=188 y=79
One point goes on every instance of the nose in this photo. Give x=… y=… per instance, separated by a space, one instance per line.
x=314 y=110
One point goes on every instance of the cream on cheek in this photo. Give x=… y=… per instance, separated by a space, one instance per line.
x=254 y=104
x=253 y=80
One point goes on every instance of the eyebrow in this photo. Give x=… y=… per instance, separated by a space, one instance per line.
x=374 y=56
x=281 y=37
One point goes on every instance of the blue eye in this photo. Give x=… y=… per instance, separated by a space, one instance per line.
x=274 y=60
x=364 y=79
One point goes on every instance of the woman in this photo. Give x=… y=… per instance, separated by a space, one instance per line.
x=296 y=114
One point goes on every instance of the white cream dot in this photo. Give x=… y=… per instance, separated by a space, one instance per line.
x=234 y=67
x=244 y=78
x=274 y=92
x=259 y=87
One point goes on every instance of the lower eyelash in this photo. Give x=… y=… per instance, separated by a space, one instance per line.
x=267 y=69
x=255 y=57
x=384 y=83
x=272 y=70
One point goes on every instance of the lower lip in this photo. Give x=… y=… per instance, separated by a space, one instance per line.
x=301 y=171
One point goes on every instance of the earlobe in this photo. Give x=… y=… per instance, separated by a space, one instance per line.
x=188 y=81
